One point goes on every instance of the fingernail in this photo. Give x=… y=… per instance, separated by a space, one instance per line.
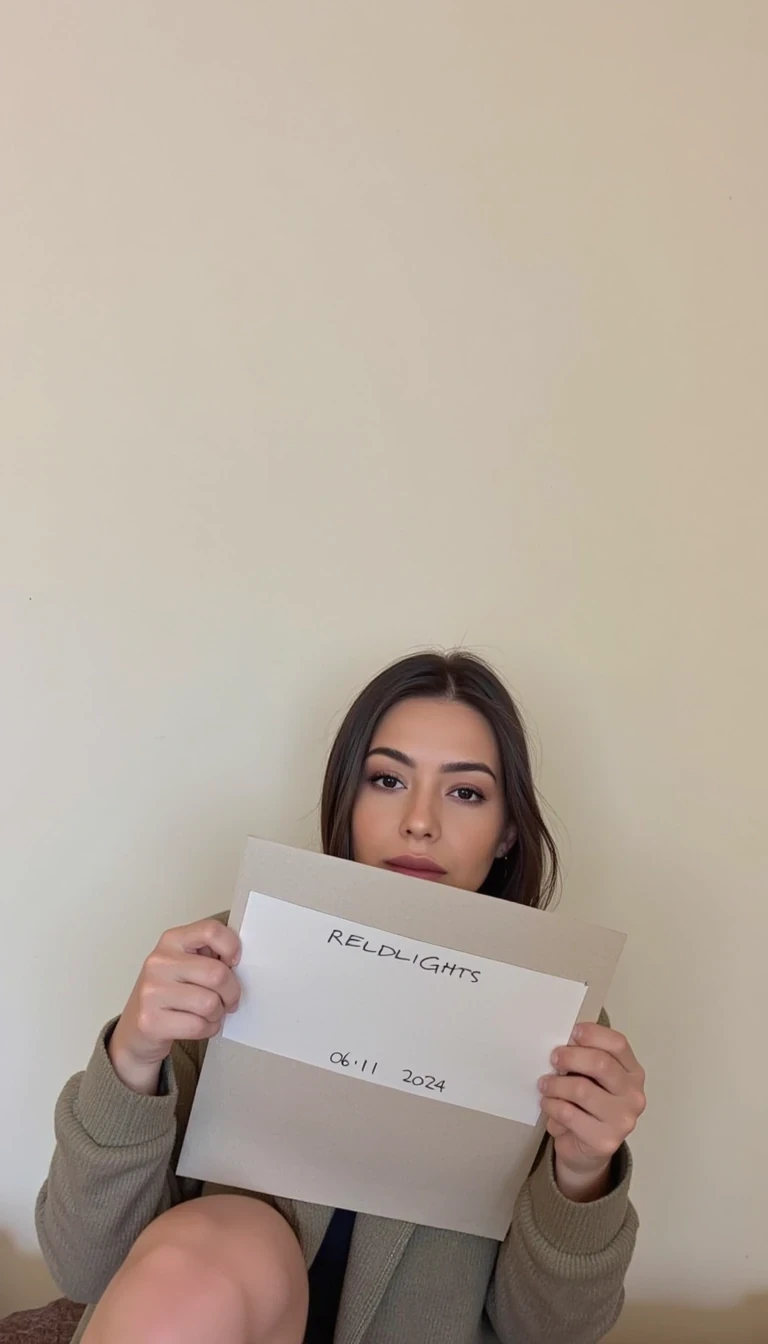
x=543 y=1084
x=555 y=1057
x=576 y=1034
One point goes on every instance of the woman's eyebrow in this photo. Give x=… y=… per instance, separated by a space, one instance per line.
x=450 y=767
x=461 y=768
x=393 y=755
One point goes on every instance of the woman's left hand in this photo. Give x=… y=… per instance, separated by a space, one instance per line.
x=592 y=1106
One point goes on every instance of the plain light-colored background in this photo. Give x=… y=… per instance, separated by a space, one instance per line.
x=329 y=331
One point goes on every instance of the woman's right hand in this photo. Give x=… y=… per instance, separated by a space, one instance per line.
x=186 y=987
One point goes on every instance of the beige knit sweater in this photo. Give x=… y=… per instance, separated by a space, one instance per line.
x=557 y=1278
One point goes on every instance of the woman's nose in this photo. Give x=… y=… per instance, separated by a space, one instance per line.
x=420 y=820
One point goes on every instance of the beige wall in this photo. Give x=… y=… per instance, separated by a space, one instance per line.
x=332 y=330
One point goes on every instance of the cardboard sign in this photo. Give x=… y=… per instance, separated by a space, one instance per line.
x=387 y=1048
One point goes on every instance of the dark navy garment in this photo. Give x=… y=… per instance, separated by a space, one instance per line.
x=326 y=1278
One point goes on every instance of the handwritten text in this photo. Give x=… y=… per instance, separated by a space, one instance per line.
x=427 y=963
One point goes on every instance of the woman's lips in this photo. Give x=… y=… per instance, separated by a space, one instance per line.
x=413 y=865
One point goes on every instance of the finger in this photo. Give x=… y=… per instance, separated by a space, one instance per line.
x=596 y=1037
x=166 y=967
x=179 y=1026
x=591 y=1133
x=581 y=1092
x=193 y=999
x=209 y=972
x=597 y=1064
x=556 y=1129
x=208 y=934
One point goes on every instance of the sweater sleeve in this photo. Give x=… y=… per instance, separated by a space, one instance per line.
x=560 y=1272
x=113 y=1167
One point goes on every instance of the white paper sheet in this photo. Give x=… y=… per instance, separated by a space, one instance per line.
x=398 y=1013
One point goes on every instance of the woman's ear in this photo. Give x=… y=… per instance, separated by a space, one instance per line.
x=508 y=840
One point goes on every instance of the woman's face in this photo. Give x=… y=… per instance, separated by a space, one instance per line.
x=431 y=801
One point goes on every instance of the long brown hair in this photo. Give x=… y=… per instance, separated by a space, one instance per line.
x=529 y=873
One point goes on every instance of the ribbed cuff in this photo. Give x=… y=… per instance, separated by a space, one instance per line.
x=579 y=1229
x=115 y=1117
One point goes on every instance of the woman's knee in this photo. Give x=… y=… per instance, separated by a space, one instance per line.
x=172 y=1286
x=234 y=1248
x=224 y=1267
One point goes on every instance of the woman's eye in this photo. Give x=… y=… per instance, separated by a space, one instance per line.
x=465 y=794
x=386 y=781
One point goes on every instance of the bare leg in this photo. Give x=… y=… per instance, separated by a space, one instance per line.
x=221 y=1270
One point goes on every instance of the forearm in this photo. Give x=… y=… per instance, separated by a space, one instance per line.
x=137 y=1075
x=560 y=1272
x=583 y=1187
x=110 y=1175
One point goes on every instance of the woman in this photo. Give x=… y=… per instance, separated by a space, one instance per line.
x=429 y=775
